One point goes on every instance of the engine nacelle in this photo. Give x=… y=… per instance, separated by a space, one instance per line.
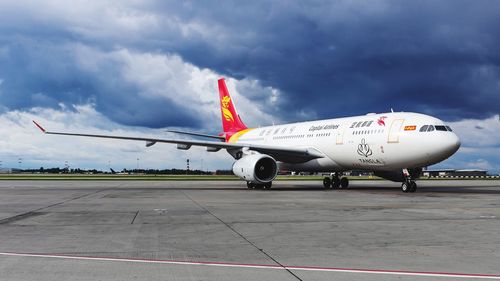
x=256 y=168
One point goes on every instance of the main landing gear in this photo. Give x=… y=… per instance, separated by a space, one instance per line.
x=408 y=184
x=259 y=186
x=335 y=181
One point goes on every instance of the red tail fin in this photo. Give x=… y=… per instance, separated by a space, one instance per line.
x=231 y=122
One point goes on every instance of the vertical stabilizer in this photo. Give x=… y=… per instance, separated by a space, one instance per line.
x=231 y=122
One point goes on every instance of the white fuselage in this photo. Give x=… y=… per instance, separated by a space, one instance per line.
x=378 y=142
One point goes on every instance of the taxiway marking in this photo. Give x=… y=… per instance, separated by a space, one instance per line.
x=261 y=266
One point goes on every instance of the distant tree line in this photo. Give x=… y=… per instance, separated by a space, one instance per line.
x=166 y=172
x=57 y=170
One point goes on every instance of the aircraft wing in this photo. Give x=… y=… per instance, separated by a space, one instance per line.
x=196 y=134
x=284 y=154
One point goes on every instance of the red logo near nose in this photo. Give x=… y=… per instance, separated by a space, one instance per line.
x=381 y=121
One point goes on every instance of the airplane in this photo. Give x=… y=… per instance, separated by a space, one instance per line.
x=394 y=146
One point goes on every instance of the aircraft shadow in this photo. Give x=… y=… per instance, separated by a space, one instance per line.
x=421 y=189
x=450 y=189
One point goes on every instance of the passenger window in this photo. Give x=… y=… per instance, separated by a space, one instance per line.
x=430 y=129
x=440 y=128
x=424 y=128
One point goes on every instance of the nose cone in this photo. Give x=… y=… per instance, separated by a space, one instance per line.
x=442 y=146
x=450 y=144
x=456 y=143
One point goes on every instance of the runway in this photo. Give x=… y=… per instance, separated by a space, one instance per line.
x=220 y=230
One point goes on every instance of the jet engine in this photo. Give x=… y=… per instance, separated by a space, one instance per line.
x=256 y=168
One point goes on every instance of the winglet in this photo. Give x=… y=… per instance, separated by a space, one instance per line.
x=39 y=127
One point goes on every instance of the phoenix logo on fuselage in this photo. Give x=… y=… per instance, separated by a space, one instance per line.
x=225 y=108
x=381 y=121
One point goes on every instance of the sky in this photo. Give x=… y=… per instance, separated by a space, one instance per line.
x=140 y=67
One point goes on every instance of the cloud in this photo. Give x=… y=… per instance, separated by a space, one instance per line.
x=352 y=57
x=136 y=89
x=155 y=63
x=478 y=133
x=326 y=58
x=22 y=140
x=480 y=145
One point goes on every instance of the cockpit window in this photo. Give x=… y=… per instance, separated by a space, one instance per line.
x=440 y=128
x=430 y=128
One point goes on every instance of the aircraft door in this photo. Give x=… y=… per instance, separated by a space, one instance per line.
x=340 y=135
x=395 y=130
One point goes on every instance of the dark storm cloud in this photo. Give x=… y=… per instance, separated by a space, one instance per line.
x=342 y=58
x=44 y=74
x=328 y=58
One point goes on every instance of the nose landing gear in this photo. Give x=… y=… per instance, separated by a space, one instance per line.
x=408 y=184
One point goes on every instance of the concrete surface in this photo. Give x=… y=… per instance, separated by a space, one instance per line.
x=445 y=227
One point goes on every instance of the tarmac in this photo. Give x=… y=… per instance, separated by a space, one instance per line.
x=220 y=230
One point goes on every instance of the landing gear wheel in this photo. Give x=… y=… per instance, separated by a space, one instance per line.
x=259 y=186
x=406 y=186
x=344 y=182
x=250 y=184
x=409 y=186
x=335 y=183
x=413 y=186
x=268 y=185
x=327 y=182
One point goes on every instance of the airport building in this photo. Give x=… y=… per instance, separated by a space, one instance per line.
x=455 y=173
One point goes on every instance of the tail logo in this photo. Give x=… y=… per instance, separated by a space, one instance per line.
x=225 y=109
